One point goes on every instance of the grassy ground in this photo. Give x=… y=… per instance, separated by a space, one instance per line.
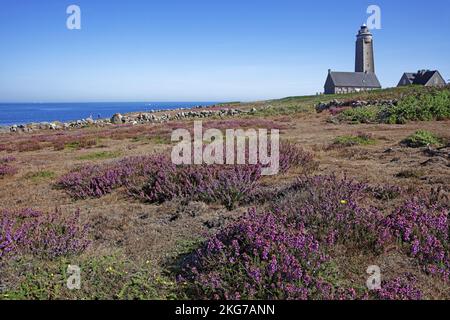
x=136 y=247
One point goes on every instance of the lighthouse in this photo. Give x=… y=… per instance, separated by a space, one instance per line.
x=364 y=60
x=364 y=77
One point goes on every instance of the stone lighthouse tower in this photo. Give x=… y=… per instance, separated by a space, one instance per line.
x=364 y=61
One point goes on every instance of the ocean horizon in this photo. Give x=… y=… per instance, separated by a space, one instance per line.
x=23 y=113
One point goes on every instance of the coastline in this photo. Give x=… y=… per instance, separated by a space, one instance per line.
x=22 y=113
x=133 y=118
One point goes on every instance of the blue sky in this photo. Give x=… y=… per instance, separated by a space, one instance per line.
x=195 y=50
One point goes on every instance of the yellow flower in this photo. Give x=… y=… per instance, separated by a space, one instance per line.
x=344 y=201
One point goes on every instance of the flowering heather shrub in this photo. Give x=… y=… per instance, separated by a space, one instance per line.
x=425 y=229
x=258 y=257
x=88 y=138
x=57 y=140
x=90 y=181
x=401 y=288
x=386 y=192
x=48 y=235
x=14 y=142
x=57 y=235
x=231 y=185
x=266 y=256
x=294 y=156
x=79 y=142
x=227 y=185
x=281 y=254
x=97 y=180
x=330 y=208
x=5 y=168
x=156 y=179
x=7 y=159
x=12 y=232
x=27 y=146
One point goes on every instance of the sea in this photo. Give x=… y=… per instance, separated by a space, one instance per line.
x=23 y=113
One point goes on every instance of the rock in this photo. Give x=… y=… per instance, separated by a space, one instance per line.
x=5 y=129
x=126 y=119
x=214 y=223
x=56 y=125
x=116 y=118
x=44 y=125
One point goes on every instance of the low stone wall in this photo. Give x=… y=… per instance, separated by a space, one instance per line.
x=134 y=118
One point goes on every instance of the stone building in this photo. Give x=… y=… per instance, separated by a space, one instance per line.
x=364 y=77
x=426 y=78
x=348 y=82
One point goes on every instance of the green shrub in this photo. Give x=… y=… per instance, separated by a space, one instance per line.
x=408 y=174
x=421 y=138
x=369 y=114
x=348 y=141
x=152 y=139
x=104 y=278
x=420 y=107
x=40 y=175
x=284 y=109
x=83 y=143
x=100 y=155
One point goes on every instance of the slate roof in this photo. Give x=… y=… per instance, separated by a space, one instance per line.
x=355 y=79
x=411 y=76
x=422 y=77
